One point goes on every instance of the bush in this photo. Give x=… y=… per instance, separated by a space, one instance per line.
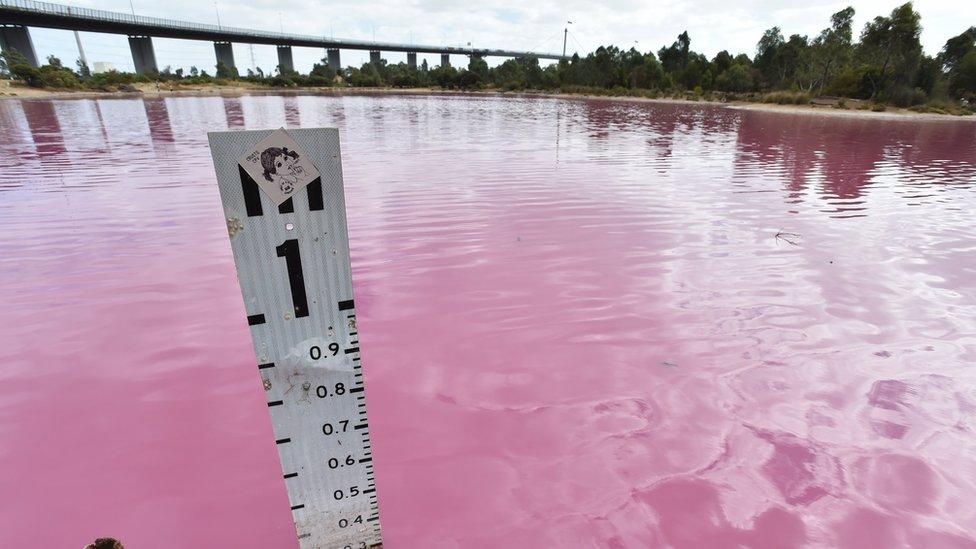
x=787 y=98
x=942 y=107
x=879 y=107
x=907 y=97
x=319 y=81
x=282 y=82
x=853 y=82
x=116 y=78
x=468 y=80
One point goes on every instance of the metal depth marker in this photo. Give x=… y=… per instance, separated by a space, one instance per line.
x=293 y=267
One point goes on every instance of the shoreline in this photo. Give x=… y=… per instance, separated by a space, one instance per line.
x=9 y=92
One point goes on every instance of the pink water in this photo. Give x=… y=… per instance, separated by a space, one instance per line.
x=579 y=326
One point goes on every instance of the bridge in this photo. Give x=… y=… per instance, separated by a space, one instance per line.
x=17 y=15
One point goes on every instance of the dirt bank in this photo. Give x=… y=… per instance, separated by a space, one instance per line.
x=13 y=90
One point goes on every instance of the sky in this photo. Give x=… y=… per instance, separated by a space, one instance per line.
x=535 y=26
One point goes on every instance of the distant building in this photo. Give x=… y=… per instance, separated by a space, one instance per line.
x=102 y=66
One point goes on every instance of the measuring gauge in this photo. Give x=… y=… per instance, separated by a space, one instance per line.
x=282 y=195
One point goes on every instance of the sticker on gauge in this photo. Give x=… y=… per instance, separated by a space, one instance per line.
x=279 y=166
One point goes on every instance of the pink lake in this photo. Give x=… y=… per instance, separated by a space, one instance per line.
x=583 y=323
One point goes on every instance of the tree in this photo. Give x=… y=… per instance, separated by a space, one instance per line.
x=366 y=76
x=647 y=73
x=19 y=67
x=323 y=70
x=509 y=74
x=478 y=66
x=444 y=76
x=468 y=79
x=958 y=59
x=738 y=78
x=962 y=82
x=768 y=58
x=225 y=71
x=890 y=45
x=956 y=48
x=722 y=61
x=795 y=64
x=833 y=47
x=83 y=69
x=928 y=75
x=675 y=57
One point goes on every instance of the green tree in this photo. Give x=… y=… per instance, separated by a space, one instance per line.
x=225 y=71
x=738 y=78
x=796 y=67
x=444 y=76
x=16 y=65
x=509 y=75
x=648 y=73
x=83 y=69
x=890 y=46
x=768 y=57
x=675 y=57
x=962 y=82
x=958 y=59
x=956 y=48
x=929 y=74
x=323 y=70
x=478 y=66
x=722 y=61
x=833 y=48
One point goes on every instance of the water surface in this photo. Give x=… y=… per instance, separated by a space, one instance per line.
x=584 y=324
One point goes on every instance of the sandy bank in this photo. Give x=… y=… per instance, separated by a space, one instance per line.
x=9 y=90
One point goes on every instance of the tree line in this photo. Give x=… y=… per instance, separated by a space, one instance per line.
x=885 y=64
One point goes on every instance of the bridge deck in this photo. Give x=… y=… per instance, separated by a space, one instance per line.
x=43 y=14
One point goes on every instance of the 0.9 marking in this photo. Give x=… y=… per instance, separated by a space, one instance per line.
x=316 y=352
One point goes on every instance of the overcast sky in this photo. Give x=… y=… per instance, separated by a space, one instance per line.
x=714 y=25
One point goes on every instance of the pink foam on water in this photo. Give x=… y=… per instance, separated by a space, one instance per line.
x=584 y=324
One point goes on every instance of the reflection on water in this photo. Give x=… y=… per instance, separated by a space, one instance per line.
x=585 y=323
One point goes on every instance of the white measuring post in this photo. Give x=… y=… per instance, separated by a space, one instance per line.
x=292 y=260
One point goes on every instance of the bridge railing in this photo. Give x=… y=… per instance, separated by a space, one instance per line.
x=147 y=24
x=47 y=8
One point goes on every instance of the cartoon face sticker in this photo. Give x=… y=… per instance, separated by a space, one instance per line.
x=281 y=168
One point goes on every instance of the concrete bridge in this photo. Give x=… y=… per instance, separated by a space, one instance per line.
x=17 y=15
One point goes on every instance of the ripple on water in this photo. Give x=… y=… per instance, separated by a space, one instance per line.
x=585 y=323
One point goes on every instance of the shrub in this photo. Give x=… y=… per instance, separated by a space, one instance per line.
x=907 y=97
x=282 y=82
x=787 y=98
x=319 y=81
x=116 y=78
x=942 y=107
